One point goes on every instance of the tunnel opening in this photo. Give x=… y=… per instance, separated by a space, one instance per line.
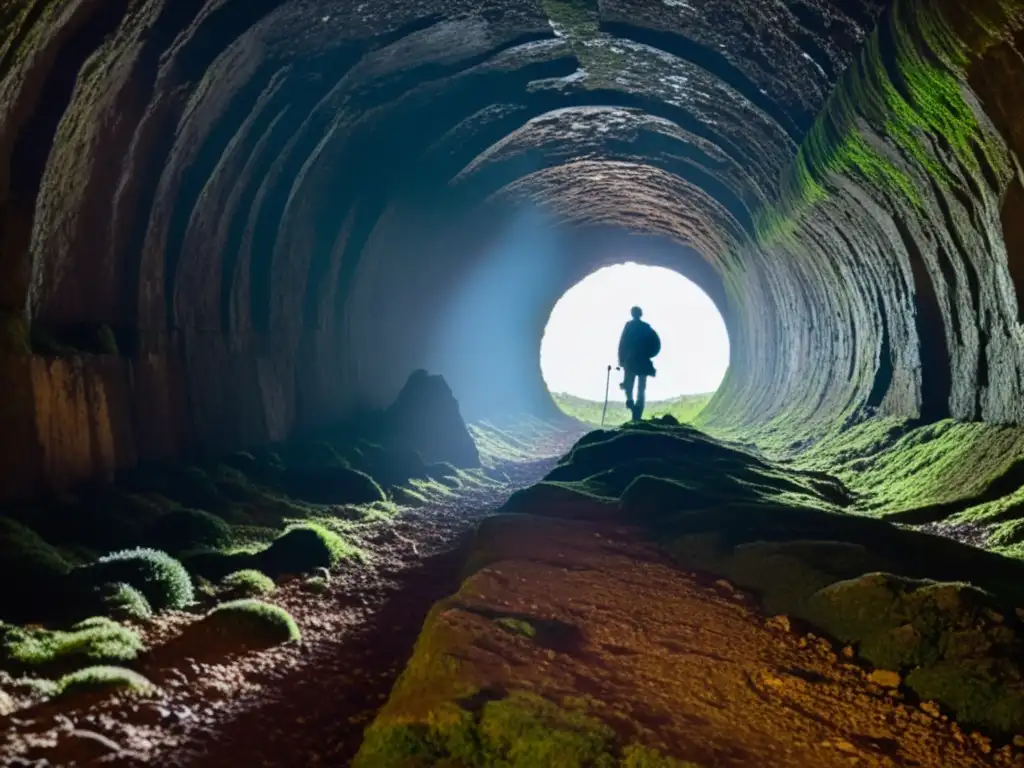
x=580 y=348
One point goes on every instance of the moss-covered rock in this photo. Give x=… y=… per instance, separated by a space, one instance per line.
x=520 y=729
x=103 y=680
x=123 y=601
x=959 y=649
x=332 y=485
x=32 y=573
x=248 y=583
x=159 y=577
x=304 y=548
x=214 y=564
x=243 y=625
x=185 y=529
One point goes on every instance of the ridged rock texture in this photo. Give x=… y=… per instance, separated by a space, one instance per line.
x=223 y=221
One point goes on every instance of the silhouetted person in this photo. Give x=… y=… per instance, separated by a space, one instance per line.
x=637 y=345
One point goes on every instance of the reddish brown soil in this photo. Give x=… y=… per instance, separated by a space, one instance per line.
x=676 y=661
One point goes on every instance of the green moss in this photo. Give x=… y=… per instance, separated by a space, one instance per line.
x=215 y=564
x=250 y=624
x=186 y=529
x=520 y=729
x=517 y=626
x=912 y=96
x=316 y=585
x=103 y=680
x=959 y=650
x=159 y=577
x=635 y=756
x=304 y=548
x=123 y=601
x=248 y=583
x=97 y=640
x=408 y=497
x=985 y=692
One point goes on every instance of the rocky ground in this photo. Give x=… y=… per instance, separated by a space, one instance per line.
x=648 y=660
x=297 y=704
x=655 y=599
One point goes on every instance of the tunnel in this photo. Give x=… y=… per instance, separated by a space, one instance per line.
x=275 y=208
x=230 y=224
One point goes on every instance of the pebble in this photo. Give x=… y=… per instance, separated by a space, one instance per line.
x=848 y=652
x=931 y=708
x=725 y=585
x=780 y=622
x=885 y=678
x=1018 y=741
x=845 y=746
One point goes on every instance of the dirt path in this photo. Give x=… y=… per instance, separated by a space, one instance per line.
x=670 y=660
x=293 y=705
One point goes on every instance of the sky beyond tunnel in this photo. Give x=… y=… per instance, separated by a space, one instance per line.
x=582 y=334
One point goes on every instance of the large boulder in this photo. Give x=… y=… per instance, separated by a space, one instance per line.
x=426 y=417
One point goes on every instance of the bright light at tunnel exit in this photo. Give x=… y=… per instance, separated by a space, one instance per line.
x=582 y=335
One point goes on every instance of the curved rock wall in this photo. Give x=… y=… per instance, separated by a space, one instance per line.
x=225 y=220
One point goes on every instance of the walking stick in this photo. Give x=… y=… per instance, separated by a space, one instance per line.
x=607 y=383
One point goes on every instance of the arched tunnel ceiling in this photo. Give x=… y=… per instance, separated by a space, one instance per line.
x=222 y=182
x=200 y=88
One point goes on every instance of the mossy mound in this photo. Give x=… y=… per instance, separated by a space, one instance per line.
x=189 y=486
x=159 y=577
x=245 y=625
x=316 y=585
x=332 y=485
x=304 y=548
x=248 y=583
x=93 y=641
x=186 y=529
x=520 y=729
x=214 y=564
x=32 y=572
x=103 y=680
x=388 y=465
x=959 y=650
x=123 y=601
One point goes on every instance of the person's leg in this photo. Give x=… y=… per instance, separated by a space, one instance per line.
x=627 y=384
x=641 y=392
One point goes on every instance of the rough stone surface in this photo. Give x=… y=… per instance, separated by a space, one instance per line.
x=237 y=187
x=426 y=417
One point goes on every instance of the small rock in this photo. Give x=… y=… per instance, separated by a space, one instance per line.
x=930 y=708
x=1018 y=741
x=780 y=622
x=885 y=678
x=996 y=618
x=774 y=682
x=725 y=585
x=845 y=746
x=7 y=704
x=983 y=742
x=848 y=652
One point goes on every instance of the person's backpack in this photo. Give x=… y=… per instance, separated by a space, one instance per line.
x=650 y=343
